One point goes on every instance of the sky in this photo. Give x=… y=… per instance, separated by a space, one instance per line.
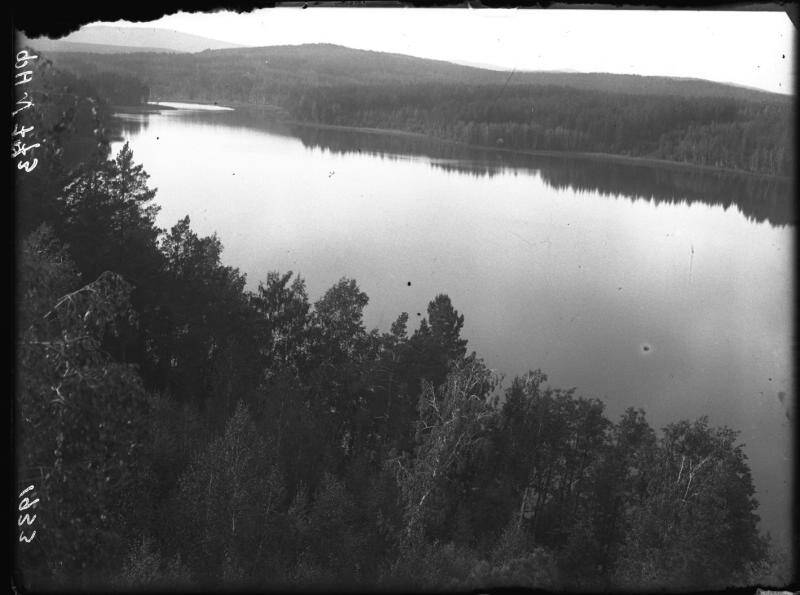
x=742 y=47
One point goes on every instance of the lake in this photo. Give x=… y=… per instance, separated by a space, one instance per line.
x=664 y=288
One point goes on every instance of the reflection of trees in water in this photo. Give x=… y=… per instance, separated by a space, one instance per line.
x=758 y=198
x=127 y=124
x=134 y=123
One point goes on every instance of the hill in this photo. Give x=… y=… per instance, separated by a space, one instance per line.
x=108 y=39
x=50 y=45
x=332 y=64
x=683 y=120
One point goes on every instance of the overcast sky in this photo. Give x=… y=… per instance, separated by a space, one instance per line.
x=747 y=48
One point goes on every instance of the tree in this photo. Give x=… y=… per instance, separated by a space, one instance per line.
x=202 y=333
x=446 y=324
x=435 y=346
x=228 y=505
x=333 y=538
x=551 y=442
x=452 y=420
x=108 y=219
x=339 y=317
x=64 y=120
x=81 y=416
x=341 y=356
x=620 y=485
x=284 y=319
x=697 y=525
x=392 y=405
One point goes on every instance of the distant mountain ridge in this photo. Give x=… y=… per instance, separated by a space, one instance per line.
x=111 y=39
x=340 y=64
x=49 y=45
x=335 y=64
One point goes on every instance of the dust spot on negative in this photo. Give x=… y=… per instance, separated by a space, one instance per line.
x=409 y=283
x=646 y=347
x=418 y=314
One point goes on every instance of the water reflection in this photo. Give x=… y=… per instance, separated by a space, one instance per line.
x=758 y=198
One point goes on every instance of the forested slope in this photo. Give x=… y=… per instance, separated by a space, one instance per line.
x=682 y=120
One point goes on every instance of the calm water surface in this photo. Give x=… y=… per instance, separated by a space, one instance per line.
x=645 y=287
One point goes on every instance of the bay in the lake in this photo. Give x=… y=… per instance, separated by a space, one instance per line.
x=664 y=288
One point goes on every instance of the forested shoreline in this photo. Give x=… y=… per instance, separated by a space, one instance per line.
x=604 y=157
x=694 y=122
x=182 y=431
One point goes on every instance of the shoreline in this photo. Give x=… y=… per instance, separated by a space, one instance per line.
x=277 y=113
x=624 y=159
x=140 y=109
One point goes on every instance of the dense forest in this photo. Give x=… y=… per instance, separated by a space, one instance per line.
x=181 y=431
x=686 y=121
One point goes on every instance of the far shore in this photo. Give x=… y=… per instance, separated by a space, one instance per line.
x=144 y=108
x=628 y=159
x=280 y=115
